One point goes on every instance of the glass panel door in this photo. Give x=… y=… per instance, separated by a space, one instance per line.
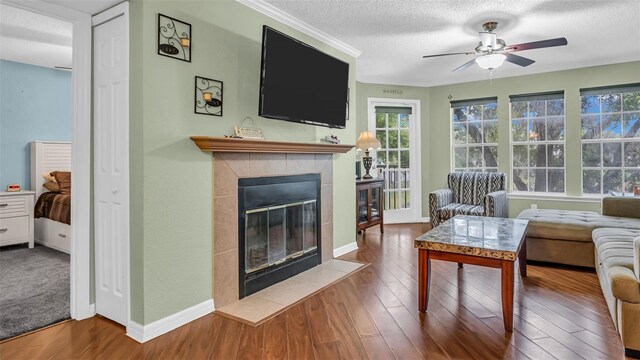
x=395 y=126
x=376 y=198
x=362 y=206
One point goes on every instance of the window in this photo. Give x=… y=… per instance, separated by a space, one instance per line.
x=537 y=140
x=610 y=119
x=475 y=135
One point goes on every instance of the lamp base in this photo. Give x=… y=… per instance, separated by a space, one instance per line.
x=367 y=162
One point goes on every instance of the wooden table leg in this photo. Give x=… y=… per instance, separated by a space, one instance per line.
x=507 y=294
x=522 y=259
x=424 y=279
x=460 y=265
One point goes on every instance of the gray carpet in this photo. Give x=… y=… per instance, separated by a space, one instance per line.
x=34 y=288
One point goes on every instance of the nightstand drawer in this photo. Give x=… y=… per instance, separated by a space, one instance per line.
x=11 y=206
x=14 y=228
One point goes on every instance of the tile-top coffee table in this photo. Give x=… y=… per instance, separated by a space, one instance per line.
x=476 y=240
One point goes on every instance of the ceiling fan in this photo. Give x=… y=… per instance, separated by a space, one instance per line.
x=493 y=52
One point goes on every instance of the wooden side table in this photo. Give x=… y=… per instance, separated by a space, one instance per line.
x=369 y=204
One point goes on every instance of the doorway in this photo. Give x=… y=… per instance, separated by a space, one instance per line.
x=396 y=124
x=82 y=303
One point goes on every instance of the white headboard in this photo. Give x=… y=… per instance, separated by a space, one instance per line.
x=48 y=156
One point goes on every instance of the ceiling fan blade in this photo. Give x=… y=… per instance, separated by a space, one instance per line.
x=458 y=53
x=465 y=65
x=538 y=44
x=518 y=60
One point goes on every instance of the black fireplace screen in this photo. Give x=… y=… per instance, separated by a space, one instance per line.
x=279 y=229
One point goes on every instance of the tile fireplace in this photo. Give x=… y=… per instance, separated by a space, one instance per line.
x=278 y=229
x=228 y=170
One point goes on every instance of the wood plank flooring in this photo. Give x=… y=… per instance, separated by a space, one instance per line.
x=558 y=314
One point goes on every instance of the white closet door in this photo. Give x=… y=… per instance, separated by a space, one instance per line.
x=111 y=168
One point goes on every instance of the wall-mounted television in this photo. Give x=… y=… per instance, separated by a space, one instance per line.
x=300 y=83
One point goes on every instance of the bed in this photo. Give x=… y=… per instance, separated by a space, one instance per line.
x=52 y=211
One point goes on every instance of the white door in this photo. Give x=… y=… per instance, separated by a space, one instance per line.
x=396 y=124
x=111 y=168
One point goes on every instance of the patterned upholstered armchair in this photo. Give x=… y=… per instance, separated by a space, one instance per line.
x=470 y=193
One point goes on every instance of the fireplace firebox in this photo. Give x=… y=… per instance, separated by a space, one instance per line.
x=278 y=229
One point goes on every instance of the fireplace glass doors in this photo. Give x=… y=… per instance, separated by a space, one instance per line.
x=276 y=234
x=279 y=229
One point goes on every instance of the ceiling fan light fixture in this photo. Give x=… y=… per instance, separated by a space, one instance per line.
x=491 y=61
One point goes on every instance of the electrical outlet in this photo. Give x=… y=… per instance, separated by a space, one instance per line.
x=534 y=206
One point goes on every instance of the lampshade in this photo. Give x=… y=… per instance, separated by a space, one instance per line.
x=491 y=61
x=367 y=141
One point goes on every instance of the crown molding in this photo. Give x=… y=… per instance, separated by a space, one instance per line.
x=271 y=11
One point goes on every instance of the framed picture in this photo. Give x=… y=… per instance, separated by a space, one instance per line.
x=174 y=38
x=208 y=96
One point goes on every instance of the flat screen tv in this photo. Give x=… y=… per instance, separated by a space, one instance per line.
x=300 y=83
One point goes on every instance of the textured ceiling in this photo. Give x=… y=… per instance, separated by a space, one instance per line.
x=394 y=34
x=34 y=39
x=86 y=6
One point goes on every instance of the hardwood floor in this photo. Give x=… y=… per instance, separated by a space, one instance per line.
x=558 y=313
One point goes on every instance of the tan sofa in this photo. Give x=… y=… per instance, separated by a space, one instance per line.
x=609 y=242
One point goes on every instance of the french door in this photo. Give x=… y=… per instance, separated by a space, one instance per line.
x=396 y=124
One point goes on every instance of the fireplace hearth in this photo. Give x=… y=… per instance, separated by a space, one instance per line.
x=278 y=229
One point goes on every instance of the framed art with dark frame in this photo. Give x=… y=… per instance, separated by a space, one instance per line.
x=174 y=38
x=208 y=96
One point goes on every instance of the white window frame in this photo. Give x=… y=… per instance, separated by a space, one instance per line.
x=472 y=102
x=621 y=140
x=512 y=143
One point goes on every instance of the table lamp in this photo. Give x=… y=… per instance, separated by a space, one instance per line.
x=366 y=141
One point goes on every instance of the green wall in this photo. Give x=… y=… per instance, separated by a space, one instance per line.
x=436 y=135
x=171 y=179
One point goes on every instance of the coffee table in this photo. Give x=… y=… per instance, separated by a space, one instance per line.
x=476 y=240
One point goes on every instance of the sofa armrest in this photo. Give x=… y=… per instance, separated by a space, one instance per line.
x=621 y=206
x=636 y=257
x=496 y=205
x=437 y=200
x=625 y=282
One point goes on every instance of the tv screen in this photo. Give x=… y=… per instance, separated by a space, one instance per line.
x=300 y=83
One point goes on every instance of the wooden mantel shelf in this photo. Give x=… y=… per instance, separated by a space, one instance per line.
x=223 y=144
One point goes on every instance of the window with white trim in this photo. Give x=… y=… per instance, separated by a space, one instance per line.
x=610 y=123
x=538 y=142
x=475 y=135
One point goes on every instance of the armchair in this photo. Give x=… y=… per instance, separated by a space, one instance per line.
x=469 y=193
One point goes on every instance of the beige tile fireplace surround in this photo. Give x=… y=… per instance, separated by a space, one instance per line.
x=228 y=167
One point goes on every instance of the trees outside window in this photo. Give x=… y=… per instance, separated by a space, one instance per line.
x=610 y=123
x=538 y=143
x=475 y=135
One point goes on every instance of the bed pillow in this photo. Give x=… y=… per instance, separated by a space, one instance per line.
x=52 y=186
x=48 y=177
x=64 y=181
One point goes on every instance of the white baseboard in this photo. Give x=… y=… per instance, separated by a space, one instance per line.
x=144 y=333
x=425 y=220
x=345 y=249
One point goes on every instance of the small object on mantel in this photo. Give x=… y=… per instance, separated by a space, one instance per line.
x=331 y=139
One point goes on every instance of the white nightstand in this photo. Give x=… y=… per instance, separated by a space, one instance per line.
x=16 y=217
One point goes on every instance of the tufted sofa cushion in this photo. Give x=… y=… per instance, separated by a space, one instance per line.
x=571 y=225
x=617 y=254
